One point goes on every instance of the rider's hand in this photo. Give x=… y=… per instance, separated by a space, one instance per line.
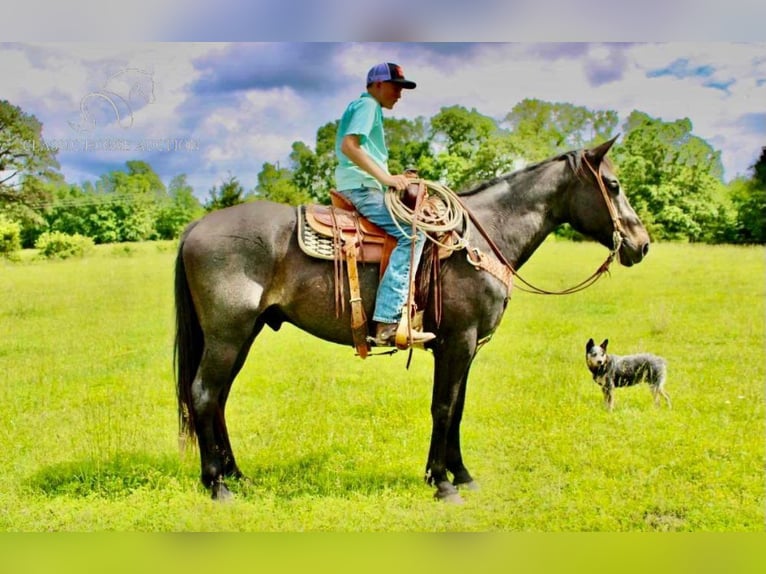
x=398 y=182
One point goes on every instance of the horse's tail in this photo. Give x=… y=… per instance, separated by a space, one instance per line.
x=187 y=353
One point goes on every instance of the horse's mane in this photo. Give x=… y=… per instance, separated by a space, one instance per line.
x=573 y=157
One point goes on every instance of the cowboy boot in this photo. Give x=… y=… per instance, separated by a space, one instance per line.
x=385 y=335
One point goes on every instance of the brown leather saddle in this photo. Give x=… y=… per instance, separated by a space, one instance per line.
x=341 y=222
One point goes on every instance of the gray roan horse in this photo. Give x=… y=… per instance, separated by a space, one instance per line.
x=241 y=268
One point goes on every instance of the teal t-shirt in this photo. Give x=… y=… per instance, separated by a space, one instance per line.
x=363 y=117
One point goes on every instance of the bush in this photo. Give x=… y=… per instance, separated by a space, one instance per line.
x=59 y=245
x=10 y=238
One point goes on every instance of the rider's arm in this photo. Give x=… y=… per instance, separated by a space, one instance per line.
x=352 y=149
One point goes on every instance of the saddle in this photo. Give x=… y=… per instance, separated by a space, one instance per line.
x=340 y=221
x=338 y=232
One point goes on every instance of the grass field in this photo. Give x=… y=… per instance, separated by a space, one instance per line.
x=334 y=443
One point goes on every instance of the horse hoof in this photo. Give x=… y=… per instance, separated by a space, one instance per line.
x=471 y=485
x=447 y=493
x=220 y=493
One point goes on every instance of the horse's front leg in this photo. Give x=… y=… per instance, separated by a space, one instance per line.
x=461 y=477
x=451 y=364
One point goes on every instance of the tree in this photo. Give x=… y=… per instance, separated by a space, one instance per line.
x=23 y=153
x=27 y=205
x=672 y=178
x=82 y=211
x=408 y=146
x=278 y=184
x=181 y=207
x=748 y=197
x=458 y=134
x=541 y=129
x=229 y=193
x=28 y=171
x=313 y=171
x=150 y=181
x=135 y=197
x=119 y=206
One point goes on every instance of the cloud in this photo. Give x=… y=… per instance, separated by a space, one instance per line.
x=223 y=108
x=604 y=64
x=301 y=66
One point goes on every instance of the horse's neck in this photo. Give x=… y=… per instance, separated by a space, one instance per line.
x=517 y=215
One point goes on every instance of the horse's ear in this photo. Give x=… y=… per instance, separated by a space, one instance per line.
x=589 y=345
x=596 y=154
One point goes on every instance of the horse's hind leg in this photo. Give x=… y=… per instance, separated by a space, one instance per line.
x=220 y=363
x=230 y=468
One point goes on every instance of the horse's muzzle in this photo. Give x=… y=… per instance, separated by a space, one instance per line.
x=630 y=253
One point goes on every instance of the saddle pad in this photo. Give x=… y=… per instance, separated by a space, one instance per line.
x=311 y=242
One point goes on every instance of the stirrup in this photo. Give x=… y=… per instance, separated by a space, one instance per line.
x=388 y=341
x=403 y=332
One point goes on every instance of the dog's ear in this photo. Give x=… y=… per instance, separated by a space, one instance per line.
x=589 y=345
x=604 y=344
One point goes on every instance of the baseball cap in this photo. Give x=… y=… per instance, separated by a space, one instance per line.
x=388 y=72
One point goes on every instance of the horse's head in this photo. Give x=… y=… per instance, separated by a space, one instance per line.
x=599 y=207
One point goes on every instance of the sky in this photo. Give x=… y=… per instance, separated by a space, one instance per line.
x=215 y=109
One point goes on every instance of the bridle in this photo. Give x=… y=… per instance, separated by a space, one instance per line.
x=618 y=234
x=608 y=200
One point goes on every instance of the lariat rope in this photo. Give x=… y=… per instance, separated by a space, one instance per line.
x=445 y=212
x=441 y=212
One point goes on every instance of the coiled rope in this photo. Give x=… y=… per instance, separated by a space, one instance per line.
x=440 y=213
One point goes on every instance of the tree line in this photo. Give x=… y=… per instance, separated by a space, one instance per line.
x=673 y=178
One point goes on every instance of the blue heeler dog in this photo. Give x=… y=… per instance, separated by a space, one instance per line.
x=611 y=371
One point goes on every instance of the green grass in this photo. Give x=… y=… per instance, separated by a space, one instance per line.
x=333 y=443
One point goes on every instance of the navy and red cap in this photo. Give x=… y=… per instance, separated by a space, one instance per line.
x=388 y=72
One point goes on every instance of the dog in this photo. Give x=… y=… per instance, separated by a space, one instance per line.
x=613 y=371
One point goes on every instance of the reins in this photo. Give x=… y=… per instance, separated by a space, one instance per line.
x=617 y=236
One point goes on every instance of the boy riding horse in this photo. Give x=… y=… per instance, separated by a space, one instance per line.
x=362 y=177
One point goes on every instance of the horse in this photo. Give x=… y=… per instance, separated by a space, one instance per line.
x=241 y=268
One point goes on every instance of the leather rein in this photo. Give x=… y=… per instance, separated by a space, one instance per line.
x=617 y=238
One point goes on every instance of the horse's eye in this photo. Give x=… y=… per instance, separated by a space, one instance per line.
x=612 y=184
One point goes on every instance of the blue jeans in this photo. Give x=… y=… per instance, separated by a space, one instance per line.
x=394 y=286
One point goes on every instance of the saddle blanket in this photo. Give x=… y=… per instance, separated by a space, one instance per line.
x=311 y=242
